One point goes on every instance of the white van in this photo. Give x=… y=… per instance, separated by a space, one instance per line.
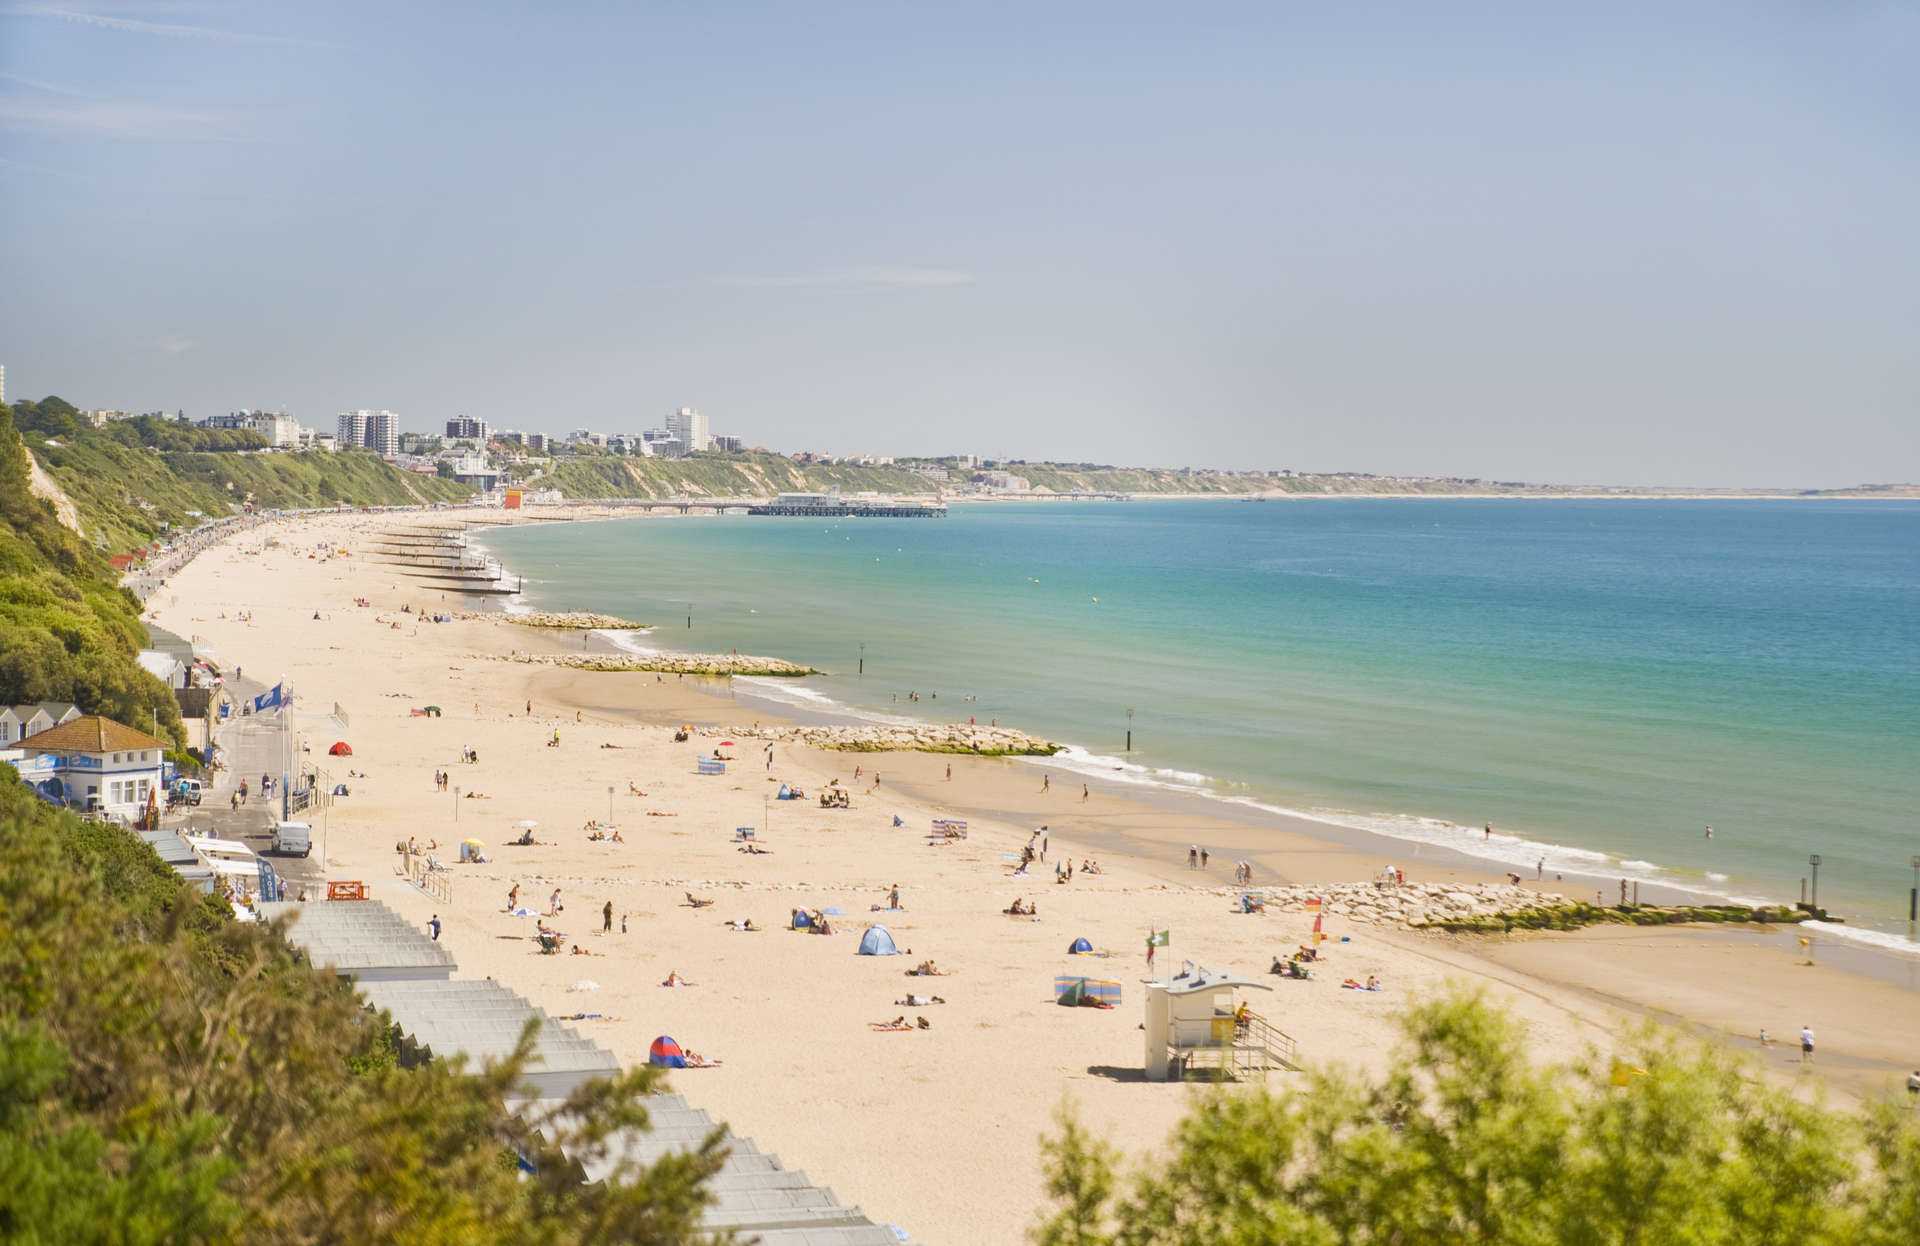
x=293 y=839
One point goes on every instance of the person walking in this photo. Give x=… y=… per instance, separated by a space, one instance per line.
x=1193 y=857
x=606 y=919
x=1046 y=783
x=1084 y=793
x=1806 y=1044
x=1203 y=858
x=433 y=924
x=553 y=903
x=513 y=897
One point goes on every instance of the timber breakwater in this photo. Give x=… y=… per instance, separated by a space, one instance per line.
x=955 y=738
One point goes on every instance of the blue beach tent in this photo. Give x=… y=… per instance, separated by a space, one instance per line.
x=1079 y=945
x=877 y=942
x=800 y=919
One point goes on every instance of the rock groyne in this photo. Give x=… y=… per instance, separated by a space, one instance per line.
x=716 y=664
x=567 y=620
x=1494 y=908
x=955 y=738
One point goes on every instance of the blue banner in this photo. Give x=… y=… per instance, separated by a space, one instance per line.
x=268 y=700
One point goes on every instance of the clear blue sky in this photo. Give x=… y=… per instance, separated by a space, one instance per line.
x=1662 y=243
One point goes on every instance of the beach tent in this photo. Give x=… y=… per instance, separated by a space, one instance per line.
x=800 y=919
x=471 y=849
x=340 y=749
x=877 y=942
x=666 y=1053
x=434 y=710
x=1072 y=992
x=1079 y=945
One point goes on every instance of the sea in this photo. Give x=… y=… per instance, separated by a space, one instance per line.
x=1600 y=680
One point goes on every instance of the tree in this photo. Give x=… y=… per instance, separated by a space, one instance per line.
x=1468 y=1140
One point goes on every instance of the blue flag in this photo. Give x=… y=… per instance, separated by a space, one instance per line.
x=268 y=700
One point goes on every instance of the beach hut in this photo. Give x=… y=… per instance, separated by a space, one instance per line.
x=340 y=749
x=666 y=1054
x=1080 y=946
x=877 y=942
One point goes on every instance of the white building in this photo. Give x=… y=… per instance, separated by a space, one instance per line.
x=164 y=667
x=17 y=722
x=378 y=431
x=689 y=428
x=94 y=763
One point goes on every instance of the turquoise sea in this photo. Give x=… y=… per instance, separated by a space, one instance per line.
x=1600 y=680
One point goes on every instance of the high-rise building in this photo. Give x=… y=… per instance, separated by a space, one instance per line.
x=466 y=428
x=689 y=428
x=383 y=434
x=722 y=441
x=378 y=431
x=3 y=384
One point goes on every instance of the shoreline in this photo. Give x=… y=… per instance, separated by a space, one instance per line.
x=1584 y=873
x=803 y=1075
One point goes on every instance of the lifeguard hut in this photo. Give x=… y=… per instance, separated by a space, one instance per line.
x=1193 y=1025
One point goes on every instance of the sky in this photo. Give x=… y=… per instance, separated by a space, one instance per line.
x=1625 y=243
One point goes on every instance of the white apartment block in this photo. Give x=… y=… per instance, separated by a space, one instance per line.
x=378 y=431
x=689 y=428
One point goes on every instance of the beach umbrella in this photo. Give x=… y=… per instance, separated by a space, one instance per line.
x=833 y=912
x=525 y=824
x=340 y=749
x=726 y=744
x=473 y=842
x=666 y=1054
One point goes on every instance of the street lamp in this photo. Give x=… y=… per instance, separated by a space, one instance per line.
x=1814 y=861
x=456 y=802
x=609 y=804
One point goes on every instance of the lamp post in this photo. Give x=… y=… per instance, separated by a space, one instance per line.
x=609 y=804
x=456 y=802
x=1814 y=861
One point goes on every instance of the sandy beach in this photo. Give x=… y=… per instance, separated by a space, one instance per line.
x=937 y=1130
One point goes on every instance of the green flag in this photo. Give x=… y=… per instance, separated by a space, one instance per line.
x=1160 y=938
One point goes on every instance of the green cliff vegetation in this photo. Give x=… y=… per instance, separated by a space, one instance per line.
x=1468 y=1139
x=170 y=1075
x=748 y=474
x=133 y=478
x=68 y=632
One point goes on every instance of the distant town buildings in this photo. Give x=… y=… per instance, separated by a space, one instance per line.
x=466 y=428
x=378 y=431
x=727 y=443
x=689 y=428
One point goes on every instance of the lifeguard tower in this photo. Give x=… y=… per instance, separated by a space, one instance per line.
x=1194 y=1026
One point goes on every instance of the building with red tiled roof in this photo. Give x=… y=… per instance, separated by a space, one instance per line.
x=94 y=763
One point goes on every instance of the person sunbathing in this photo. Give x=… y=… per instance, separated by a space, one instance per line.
x=742 y=925
x=674 y=979
x=898 y=1023
x=1307 y=953
x=754 y=850
x=925 y=969
x=919 y=1001
x=696 y=903
x=633 y=790
x=697 y=1061
x=923 y=1023
x=615 y=838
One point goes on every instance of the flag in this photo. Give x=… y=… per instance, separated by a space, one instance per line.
x=1317 y=936
x=1157 y=938
x=269 y=699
